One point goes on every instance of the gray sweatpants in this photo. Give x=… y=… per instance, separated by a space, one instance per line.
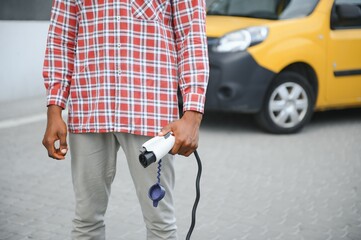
x=93 y=163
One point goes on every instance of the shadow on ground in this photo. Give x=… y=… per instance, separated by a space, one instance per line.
x=246 y=123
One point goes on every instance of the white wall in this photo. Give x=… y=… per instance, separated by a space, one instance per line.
x=22 y=48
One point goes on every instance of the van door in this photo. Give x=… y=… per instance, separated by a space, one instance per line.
x=344 y=81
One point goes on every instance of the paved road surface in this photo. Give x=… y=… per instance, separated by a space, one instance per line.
x=255 y=186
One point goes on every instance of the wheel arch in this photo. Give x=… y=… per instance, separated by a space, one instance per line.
x=307 y=72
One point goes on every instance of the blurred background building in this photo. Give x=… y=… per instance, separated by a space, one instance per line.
x=23 y=29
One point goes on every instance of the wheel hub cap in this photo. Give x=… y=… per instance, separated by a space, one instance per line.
x=288 y=105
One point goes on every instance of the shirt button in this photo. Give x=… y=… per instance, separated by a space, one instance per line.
x=119 y=45
x=119 y=72
x=118 y=18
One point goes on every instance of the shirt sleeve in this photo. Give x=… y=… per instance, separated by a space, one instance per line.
x=60 y=50
x=191 y=43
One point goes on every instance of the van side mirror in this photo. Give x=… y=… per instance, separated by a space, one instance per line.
x=346 y=15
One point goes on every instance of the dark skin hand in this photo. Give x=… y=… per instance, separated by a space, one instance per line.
x=56 y=130
x=186 y=132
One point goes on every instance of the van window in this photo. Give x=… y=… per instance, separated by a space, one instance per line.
x=346 y=14
x=268 y=9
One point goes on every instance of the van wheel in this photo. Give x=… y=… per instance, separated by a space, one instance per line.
x=288 y=104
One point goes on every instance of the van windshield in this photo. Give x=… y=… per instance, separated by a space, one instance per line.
x=267 y=9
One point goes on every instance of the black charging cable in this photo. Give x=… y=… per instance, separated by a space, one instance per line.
x=198 y=195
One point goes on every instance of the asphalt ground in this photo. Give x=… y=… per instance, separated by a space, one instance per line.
x=255 y=186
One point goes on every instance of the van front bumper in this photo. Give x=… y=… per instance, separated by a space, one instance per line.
x=236 y=83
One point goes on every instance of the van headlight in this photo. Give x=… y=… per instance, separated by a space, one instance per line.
x=241 y=39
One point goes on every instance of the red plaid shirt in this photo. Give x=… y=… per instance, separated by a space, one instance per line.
x=119 y=62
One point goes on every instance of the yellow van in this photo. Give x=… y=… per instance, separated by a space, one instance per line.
x=284 y=59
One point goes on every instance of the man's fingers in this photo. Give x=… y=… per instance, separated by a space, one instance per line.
x=184 y=147
x=165 y=130
x=55 y=153
x=187 y=146
x=52 y=151
x=63 y=144
x=175 y=149
x=58 y=155
x=186 y=151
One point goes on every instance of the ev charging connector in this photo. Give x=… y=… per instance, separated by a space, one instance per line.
x=155 y=149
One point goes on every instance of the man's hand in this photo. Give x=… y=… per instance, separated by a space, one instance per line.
x=55 y=130
x=186 y=132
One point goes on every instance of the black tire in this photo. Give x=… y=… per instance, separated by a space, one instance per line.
x=288 y=104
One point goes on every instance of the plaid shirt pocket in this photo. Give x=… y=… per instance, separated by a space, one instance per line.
x=148 y=9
